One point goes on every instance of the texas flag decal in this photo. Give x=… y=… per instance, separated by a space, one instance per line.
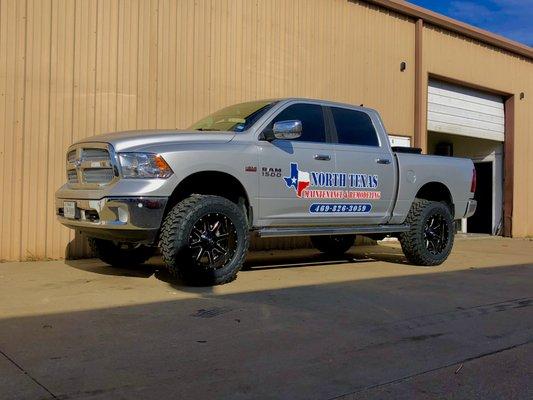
x=299 y=180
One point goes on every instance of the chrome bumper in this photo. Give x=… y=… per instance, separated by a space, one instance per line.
x=127 y=219
x=470 y=208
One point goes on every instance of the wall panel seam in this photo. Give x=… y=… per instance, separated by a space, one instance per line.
x=22 y=156
x=158 y=40
x=75 y=25
x=96 y=66
x=117 y=94
x=48 y=188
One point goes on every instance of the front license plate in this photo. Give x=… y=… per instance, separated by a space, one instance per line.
x=69 y=209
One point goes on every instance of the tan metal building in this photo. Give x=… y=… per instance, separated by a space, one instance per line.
x=70 y=69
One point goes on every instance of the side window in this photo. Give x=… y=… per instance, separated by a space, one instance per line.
x=312 y=118
x=354 y=127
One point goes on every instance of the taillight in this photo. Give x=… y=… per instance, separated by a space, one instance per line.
x=473 y=185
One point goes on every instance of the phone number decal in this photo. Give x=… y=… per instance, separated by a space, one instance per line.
x=339 y=208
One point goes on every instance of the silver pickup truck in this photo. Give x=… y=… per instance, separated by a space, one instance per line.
x=274 y=168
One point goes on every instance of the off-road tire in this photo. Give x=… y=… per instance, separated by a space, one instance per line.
x=334 y=245
x=116 y=255
x=174 y=239
x=413 y=242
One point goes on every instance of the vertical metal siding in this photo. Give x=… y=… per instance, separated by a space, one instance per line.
x=70 y=69
x=12 y=109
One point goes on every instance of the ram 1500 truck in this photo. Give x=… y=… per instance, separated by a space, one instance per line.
x=274 y=168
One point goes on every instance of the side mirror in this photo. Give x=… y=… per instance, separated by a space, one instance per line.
x=287 y=130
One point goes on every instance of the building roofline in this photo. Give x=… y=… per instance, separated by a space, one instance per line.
x=436 y=19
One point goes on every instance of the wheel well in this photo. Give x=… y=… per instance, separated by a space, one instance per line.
x=436 y=191
x=213 y=183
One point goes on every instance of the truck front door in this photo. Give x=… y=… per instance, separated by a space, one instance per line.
x=286 y=168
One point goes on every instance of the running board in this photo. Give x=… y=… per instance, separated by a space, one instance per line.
x=330 y=230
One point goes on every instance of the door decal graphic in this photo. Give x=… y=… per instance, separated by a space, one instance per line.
x=332 y=185
x=299 y=180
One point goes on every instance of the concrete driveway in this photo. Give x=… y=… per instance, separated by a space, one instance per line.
x=296 y=326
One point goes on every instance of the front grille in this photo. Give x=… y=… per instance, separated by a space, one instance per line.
x=72 y=176
x=98 y=175
x=95 y=154
x=90 y=165
x=71 y=156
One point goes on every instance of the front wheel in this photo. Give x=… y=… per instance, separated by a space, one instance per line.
x=118 y=254
x=204 y=240
x=333 y=245
x=429 y=240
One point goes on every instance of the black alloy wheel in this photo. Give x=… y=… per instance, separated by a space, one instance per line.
x=436 y=234
x=429 y=239
x=212 y=241
x=204 y=240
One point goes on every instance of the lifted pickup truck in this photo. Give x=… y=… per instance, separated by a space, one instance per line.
x=285 y=167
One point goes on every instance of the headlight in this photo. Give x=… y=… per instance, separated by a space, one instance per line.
x=144 y=165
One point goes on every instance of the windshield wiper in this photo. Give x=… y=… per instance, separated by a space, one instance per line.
x=208 y=130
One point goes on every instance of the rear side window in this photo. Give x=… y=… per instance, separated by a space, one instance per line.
x=354 y=127
x=312 y=118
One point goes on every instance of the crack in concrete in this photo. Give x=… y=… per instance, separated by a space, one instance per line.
x=19 y=367
x=405 y=378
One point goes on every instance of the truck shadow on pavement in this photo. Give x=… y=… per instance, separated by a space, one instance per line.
x=255 y=261
x=99 y=267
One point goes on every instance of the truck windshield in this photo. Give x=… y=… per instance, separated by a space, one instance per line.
x=236 y=118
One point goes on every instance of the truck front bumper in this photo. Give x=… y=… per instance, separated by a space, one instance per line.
x=129 y=219
x=470 y=208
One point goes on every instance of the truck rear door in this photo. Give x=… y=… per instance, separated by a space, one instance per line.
x=366 y=161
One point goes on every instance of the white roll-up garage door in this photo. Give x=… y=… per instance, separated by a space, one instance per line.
x=463 y=111
x=400 y=141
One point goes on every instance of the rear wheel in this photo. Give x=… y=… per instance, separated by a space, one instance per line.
x=429 y=240
x=334 y=245
x=204 y=240
x=120 y=254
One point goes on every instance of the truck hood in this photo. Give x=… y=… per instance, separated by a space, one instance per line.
x=134 y=140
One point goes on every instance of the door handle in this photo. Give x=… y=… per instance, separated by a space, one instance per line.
x=322 y=157
x=382 y=160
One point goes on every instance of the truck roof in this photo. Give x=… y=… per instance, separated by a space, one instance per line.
x=322 y=101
